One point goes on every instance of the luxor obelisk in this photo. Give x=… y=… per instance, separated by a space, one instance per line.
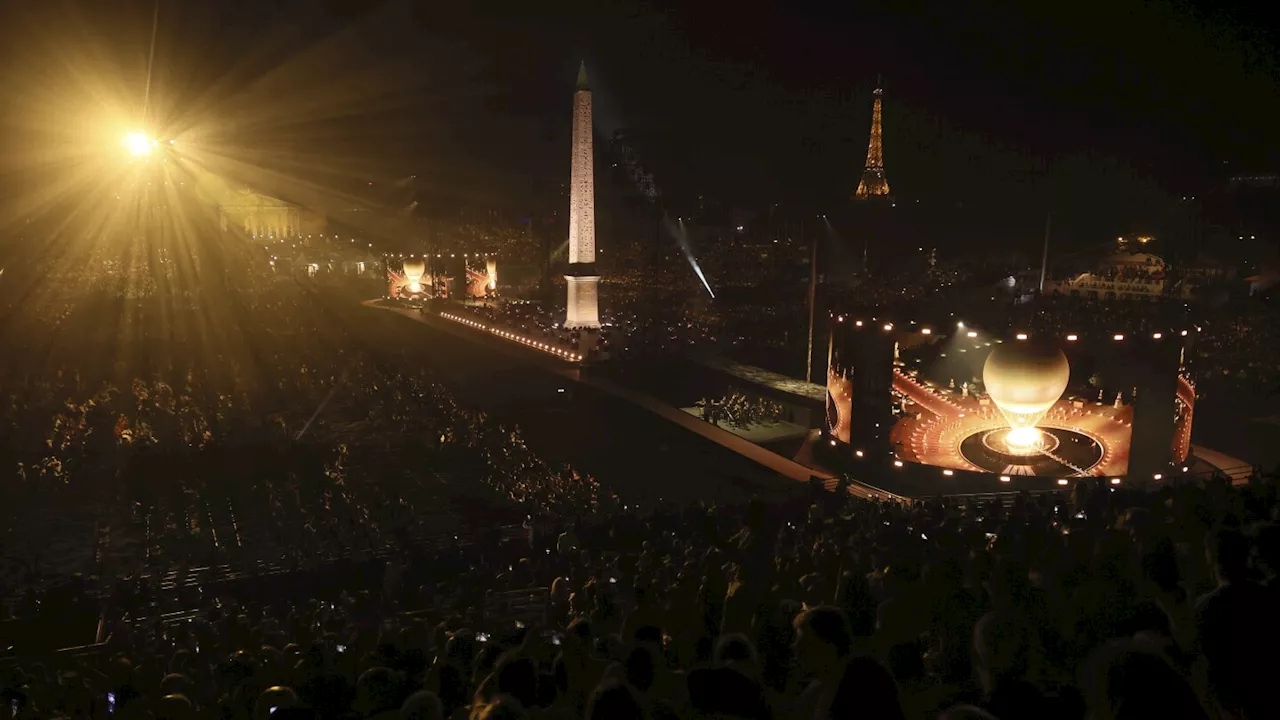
x=582 y=308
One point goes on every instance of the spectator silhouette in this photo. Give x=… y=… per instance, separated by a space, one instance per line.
x=1236 y=615
x=502 y=707
x=724 y=692
x=422 y=705
x=1267 y=552
x=1003 y=643
x=273 y=697
x=517 y=676
x=614 y=700
x=966 y=712
x=174 y=707
x=822 y=646
x=866 y=691
x=1124 y=680
x=378 y=693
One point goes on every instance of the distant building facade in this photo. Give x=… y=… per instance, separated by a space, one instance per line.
x=1122 y=274
x=262 y=216
x=1137 y=274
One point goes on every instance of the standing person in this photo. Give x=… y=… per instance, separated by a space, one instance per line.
x=1236 y=627
x=822 y=648
x=528 y=529
x=567 y=542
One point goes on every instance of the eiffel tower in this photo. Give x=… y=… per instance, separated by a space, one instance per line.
x=873 y=183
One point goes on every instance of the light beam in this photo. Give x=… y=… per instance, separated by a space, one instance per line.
x=682 y=239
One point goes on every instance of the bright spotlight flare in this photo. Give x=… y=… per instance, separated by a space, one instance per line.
x=1024 y=380
x=138 y=144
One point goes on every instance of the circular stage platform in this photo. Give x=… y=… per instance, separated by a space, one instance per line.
x=1059 y=452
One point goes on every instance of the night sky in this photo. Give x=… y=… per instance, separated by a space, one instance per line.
x=1115 y=105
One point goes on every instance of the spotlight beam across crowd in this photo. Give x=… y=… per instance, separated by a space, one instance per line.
x=132 y=157
x=681 y=234
x=93 y=102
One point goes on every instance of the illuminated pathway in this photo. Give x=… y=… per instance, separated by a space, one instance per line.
x=1062 y=461
x=771 y=460
x=1234 y=468
x=567 y=354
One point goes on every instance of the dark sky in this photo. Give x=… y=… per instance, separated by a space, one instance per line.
x=750 y=102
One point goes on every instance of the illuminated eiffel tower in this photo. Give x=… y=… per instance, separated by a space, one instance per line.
x=873 y=183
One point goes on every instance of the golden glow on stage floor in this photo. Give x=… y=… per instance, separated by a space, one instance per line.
x=938 y=421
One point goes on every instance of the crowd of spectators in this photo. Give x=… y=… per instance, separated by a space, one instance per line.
x=1102 y=602
x=337 y=439
x=1240 y=345
x=624 y=332
x=429 y=565
x=1235 y=350
x=902 y=287
x=1061 y=315
x=514 y=242
x=1127 y=273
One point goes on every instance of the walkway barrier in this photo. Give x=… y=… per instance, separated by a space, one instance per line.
x=864 y=490
x=1237 y=473
x=169 y=594
x=1004 y=498
x=528 y=605
x=75 y=651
